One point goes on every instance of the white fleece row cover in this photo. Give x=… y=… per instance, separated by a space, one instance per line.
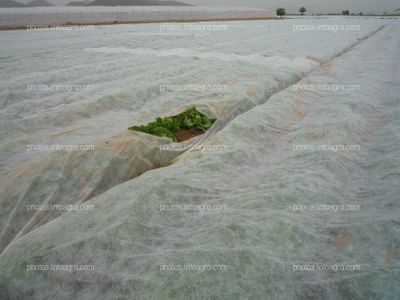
x=110 y=14
x=294 y=196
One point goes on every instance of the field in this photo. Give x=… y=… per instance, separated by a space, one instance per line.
x=291 y=194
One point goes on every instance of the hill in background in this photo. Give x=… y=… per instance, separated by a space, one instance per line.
x=33 y=3
x=127 y=3
x=36 y=3
x=11 y=3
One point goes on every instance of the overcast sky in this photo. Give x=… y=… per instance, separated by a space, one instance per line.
x=355 y=6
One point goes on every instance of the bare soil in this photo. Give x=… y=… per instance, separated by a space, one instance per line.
x=186 y=134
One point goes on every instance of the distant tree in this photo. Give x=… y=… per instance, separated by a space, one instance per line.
x=345 y=12
x=280 y=12
x=302 y=10
x=361 y=14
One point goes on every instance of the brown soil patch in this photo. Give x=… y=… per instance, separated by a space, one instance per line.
x=250 y=93
x=342 y=237
x=186 y=134
x=63 y=133
x=389 y=256
x=68 y=101
x=298 y=108
x=326 y=68
x=313 y=58
x=71 y=167
x=320 y=134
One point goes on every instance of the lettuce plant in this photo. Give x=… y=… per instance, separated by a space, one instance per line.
x=170 y=126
